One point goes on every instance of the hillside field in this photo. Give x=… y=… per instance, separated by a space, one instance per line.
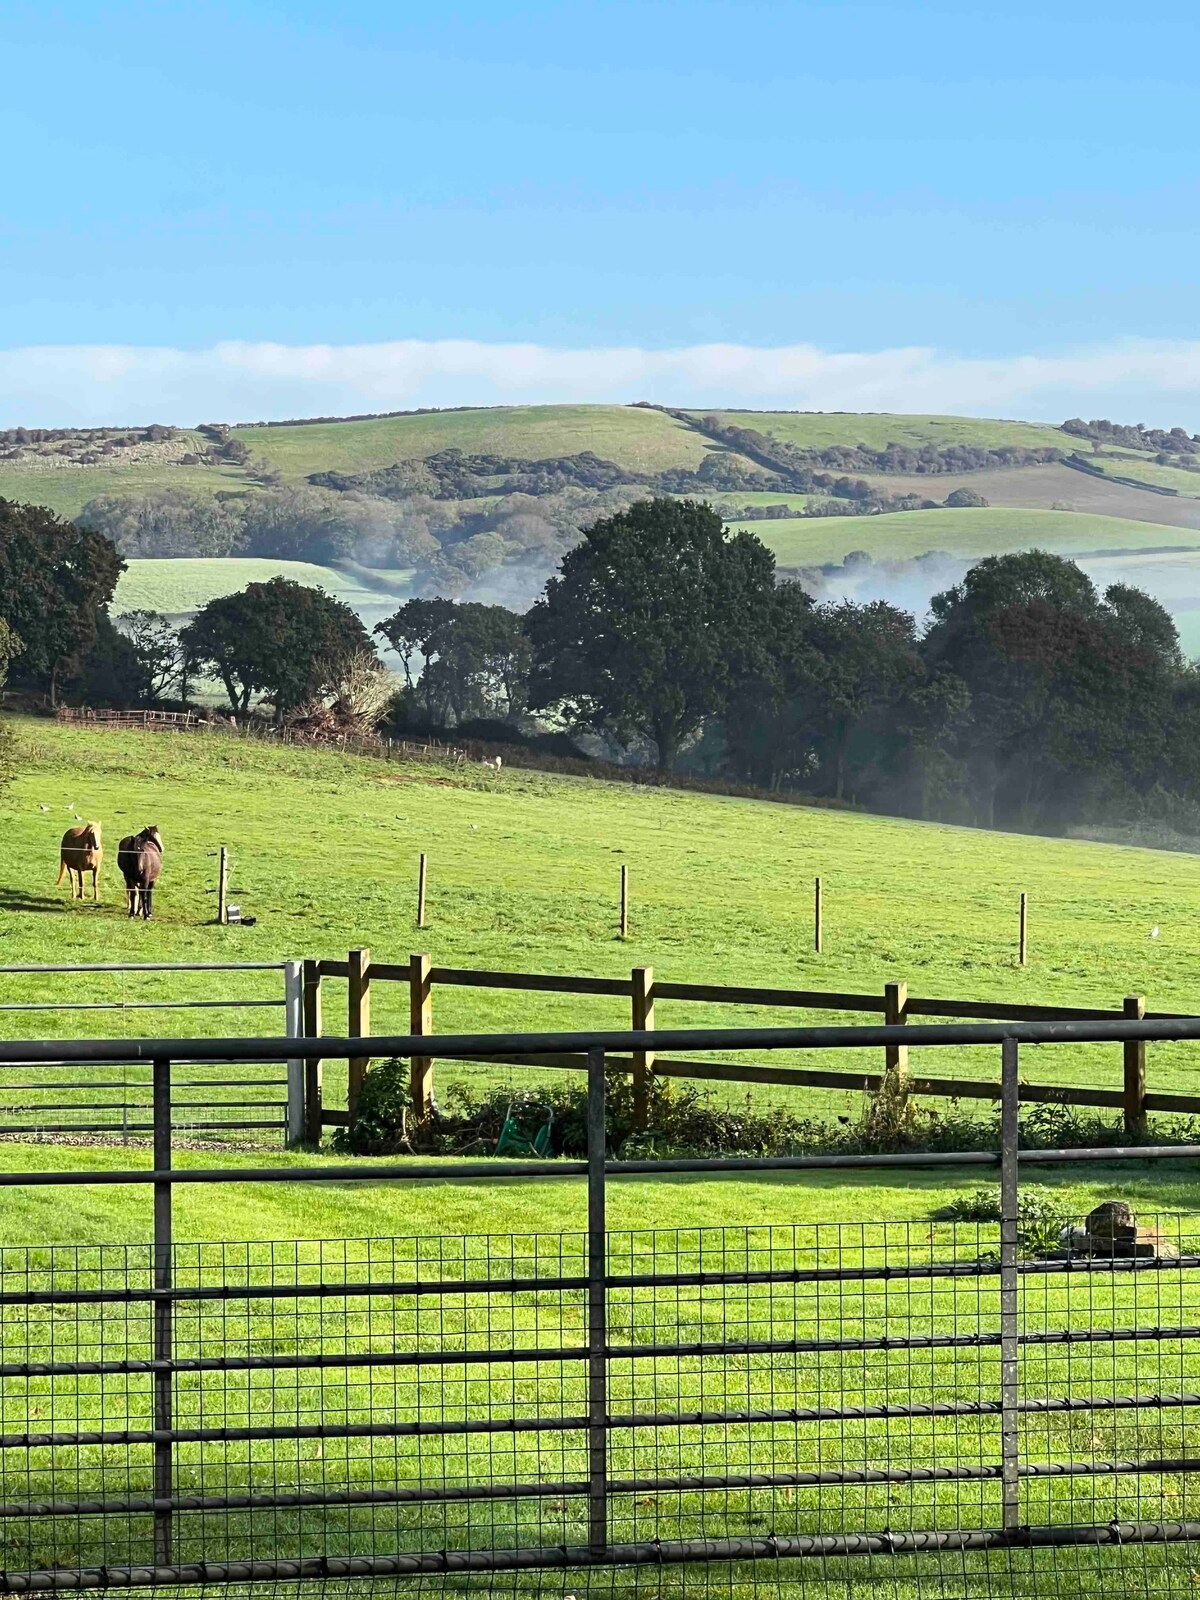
x=817 y=430
x=178 y=587
x=632 y=436
x=973 y=531
x=524 y=869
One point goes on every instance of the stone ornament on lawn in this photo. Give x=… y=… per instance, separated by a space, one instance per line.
x=1113 y=1230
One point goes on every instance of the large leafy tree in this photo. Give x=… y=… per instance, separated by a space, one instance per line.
x=54 y=579
x=656 y=618
x=279 y=639
x=1071 y=695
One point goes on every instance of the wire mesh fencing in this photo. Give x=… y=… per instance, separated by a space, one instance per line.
x=824 y=1401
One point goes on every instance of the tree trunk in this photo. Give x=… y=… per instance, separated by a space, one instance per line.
x=666 y=737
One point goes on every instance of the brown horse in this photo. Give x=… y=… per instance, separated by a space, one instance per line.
x=139 y=857
x=81 y=851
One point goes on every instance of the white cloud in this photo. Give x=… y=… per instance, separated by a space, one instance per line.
x=1157 y=382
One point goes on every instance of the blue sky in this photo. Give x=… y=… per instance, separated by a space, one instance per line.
x=979 y=183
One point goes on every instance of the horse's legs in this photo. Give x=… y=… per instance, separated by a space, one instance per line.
x=76 y=883
x=146 y=901
x=131 y=895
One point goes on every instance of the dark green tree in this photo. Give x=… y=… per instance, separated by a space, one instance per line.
x=280 y=639
x=10 y=646
x=54 y=579
x=158 y=647
x=1070 y=695
x=868 y=664
x=413 y=633
x=474 y=658
x=656 y=618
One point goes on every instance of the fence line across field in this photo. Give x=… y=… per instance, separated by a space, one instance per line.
x=643 y=989
x=586 y=1340
x=302 y=1002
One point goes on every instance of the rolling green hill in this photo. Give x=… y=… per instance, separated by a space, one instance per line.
x=817 y=430
x=1052 y=504
x=632 y=436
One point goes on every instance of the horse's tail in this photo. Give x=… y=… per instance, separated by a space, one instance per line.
x=62 y=867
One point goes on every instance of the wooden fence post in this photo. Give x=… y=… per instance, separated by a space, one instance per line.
x=313 y=1127
x=642 y=990
x=895 y=1056
x=359 y=1023
x=624 y=902
x=223 y=888
x=420 y=1021
x=1023 y=943
x=421 y=870
x=817 y=915
x=1134 y=1051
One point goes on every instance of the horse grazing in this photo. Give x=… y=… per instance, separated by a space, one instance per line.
x=81 y=851
x=139 y=857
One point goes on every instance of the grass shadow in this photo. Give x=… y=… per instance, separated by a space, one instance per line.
x=18 y=900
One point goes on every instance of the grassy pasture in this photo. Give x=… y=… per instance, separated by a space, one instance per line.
x=974 y=531
x=637 y=438
x=524 y=875
x=68 y=489
x=178 y=586
x=817 y=430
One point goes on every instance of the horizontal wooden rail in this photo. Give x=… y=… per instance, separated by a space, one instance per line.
x=1004 y=1011
x=800 y=999
x=533 y=982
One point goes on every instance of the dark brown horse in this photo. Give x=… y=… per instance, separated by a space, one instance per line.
x=82 y=851
x=139 y=857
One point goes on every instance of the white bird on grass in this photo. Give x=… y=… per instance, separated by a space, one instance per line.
x=1154 y=933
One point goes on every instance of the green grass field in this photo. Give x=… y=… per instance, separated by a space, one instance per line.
x=634 y=437
x=68 y=489
x=179 y=586
x=524 y=870
x=976 y=531
x=817 y=430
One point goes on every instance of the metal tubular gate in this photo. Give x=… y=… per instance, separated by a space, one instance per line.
x=947 y=1407
x=116 y=1096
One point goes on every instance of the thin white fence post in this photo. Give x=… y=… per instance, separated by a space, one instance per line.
x=293 y=1027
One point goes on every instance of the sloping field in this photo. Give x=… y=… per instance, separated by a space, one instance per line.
x=876 y=429
x=1050 y=488
x=179 y=586
x=524 y=874
x=632 y=436
x=899 y=535
x=1131 y=465
x=68 y=489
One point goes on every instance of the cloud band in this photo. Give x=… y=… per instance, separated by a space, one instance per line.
x=1157 y=382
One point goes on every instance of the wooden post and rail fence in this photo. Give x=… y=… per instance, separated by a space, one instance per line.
x=642 y=990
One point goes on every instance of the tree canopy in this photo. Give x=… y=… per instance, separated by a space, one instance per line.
x=279 y=639
x=656 y=617
x=54 y=578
